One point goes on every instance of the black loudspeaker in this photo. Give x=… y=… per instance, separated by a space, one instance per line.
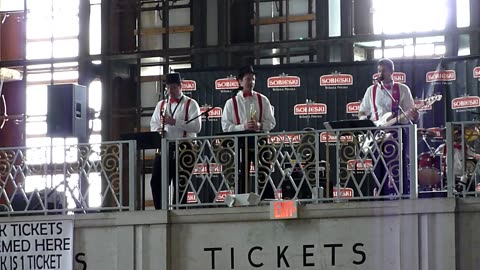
x=67 y=111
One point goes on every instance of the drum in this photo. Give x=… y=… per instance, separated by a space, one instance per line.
x=470 y=162
x=429 y=170
x=470 y=166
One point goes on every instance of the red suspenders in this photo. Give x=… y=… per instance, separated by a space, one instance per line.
x=186 y=115
x=162 y=105
x=395 y=95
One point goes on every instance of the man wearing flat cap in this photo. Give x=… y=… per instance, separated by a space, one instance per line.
x=170 y=118
x=248 y=110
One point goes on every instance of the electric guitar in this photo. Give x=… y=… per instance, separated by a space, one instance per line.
x=387 y=120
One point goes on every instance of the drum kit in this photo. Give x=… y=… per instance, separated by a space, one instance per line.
x=432 y=163
x=429 y=162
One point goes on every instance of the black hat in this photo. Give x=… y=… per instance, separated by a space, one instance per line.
x=173 y=78
x=245 y=70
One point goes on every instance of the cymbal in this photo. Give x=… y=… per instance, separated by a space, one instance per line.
x=425 y=132
x=472 y=134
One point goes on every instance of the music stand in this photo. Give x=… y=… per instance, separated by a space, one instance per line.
x=351 y=124
x=145 y=140
x=343 y=124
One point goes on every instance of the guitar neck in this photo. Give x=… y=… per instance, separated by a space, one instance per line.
x=427 y=102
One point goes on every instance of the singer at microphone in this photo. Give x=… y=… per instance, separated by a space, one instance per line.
x=382 y=98
x=379 y=78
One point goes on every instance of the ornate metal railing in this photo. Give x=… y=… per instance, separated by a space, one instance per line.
x=462 y=152
x=353 y=164
x=80 y=178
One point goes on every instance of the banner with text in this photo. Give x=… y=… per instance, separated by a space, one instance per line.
x=36 y=245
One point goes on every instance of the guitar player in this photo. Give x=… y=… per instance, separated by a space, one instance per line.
x=377 y=103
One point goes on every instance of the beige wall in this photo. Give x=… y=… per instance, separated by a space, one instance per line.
x=419 y=235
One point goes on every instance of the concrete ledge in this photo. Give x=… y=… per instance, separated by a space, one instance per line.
x=322 y=210
x=261 y=213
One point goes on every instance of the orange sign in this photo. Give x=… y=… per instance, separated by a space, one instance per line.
x=283 y=209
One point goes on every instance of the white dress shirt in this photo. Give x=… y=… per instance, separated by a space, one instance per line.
x=177 y=131
x=384 y=102
x=229 y=121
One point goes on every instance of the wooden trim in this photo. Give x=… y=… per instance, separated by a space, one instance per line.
x=283 y=19
x=164 y=30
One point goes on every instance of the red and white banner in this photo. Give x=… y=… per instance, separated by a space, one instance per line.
x=441 y=76
x=465 y=102
x=222 y=195
x=189 y=85
x=283 y=82
x=191 y=197
x=397 y=76
x=359 y=164
x=326 y=137
x=336 y=79
x=310 y=109
x=214 y=113
x=284 y=138
x=353 y=107
x=228 y=83
x=476 y=72
x=342 y=192
x=203 y=169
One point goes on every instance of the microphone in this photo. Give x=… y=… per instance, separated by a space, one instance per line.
x=380 y=78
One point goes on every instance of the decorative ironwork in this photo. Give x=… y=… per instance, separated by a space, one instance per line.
x=78 y=178
x=312 y=165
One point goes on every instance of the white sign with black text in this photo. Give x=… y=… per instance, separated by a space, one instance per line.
x=36 y=245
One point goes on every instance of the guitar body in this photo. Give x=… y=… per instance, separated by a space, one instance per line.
x=383 y=120
x=388 y=120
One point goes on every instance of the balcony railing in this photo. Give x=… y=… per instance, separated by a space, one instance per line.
x=310 y=166
x=79 y=178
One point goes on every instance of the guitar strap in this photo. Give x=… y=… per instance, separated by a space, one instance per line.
x=396 y=97
x=374 y=101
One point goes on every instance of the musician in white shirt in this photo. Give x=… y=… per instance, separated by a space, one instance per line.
x=237 y=113
x=377 y=103
x=247 y=111
x=170 y=119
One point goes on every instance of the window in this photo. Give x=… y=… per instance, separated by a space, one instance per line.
x=430 y=46
x=277 y=22
x=9 y=5
x=463 y=13
x=52 y=28
x=408 y=16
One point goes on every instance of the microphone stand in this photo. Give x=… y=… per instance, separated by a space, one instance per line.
x=201 y=114
x=397 y=103
x=308 y=102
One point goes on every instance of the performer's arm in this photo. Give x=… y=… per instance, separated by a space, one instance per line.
x=268 y=122
x=408 y=104
x=228 y=124
x=365 y=106
x=155 y=123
